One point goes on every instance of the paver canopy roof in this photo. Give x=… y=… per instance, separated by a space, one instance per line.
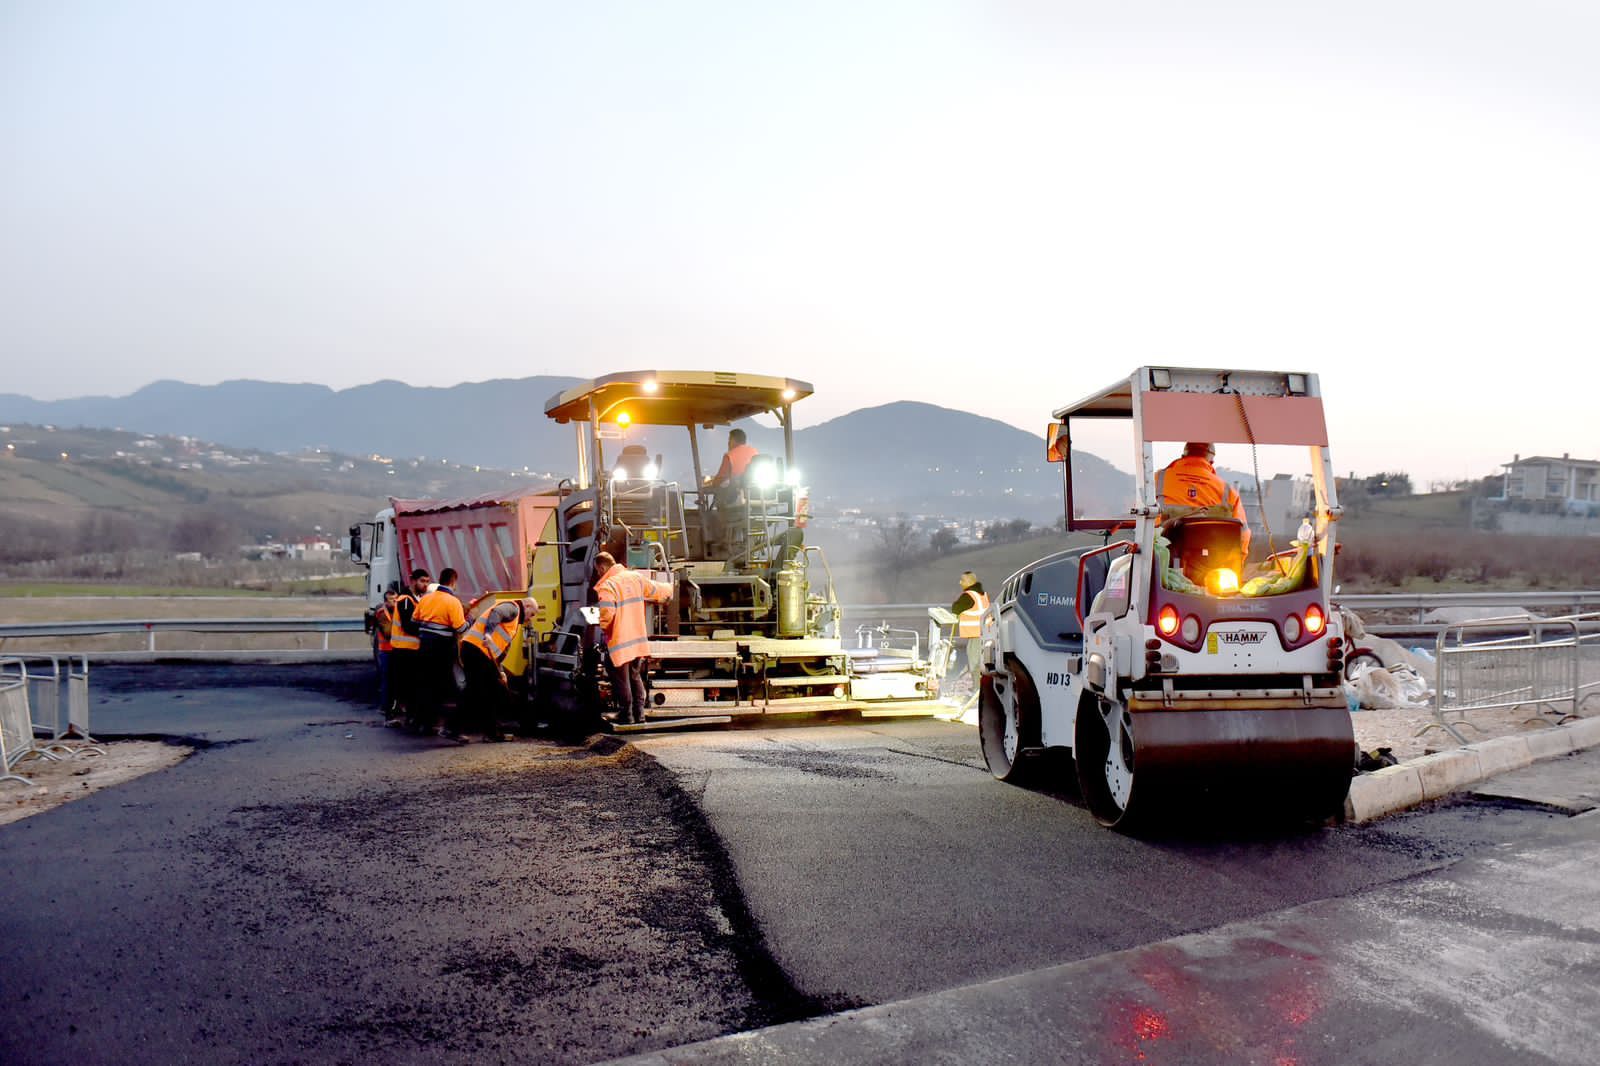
x=676 y=397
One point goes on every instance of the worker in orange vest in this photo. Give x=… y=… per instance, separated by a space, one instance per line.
x=968 y=609
x=440 y=619
x=384 y=624
x=735 y=460
x=484 y=647
x=1191 y=481
x=621 y=594
x=404 y=644
x=725 y=486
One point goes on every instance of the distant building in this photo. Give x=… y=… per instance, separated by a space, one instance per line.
x=311 y=550
x=1574 y=482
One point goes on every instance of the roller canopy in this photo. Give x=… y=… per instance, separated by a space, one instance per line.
x=1183 y=416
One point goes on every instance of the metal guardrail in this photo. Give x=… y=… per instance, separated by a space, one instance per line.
x=1509 y=663
x=151 y=626
x=1559 y=603
x=853 y=614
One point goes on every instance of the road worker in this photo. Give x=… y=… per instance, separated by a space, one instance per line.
x=484 y=647
x=1191 y=481
x=968 y=609
x=621 y=595
x=440 y=620
x=404 y=645
x=735 y=460
x=384 y=623
x=724 y=485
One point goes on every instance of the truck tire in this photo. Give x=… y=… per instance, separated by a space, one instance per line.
x=1008 y=722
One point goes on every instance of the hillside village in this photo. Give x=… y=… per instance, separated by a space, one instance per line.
x=75 y=497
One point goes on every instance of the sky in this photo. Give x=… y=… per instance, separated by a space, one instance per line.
x=998 y=207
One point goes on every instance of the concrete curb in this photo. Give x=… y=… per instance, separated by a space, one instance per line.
x=1395 y=788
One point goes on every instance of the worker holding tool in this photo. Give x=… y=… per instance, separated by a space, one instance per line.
x=968 y=609
x=621 y=595
x=1191 y=481
x=440 y=619
x=484 y=647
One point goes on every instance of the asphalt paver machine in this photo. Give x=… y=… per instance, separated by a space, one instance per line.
x=1171 y=671
x=753 y=626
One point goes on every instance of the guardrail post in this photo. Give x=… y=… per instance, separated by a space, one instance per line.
x=150 y=644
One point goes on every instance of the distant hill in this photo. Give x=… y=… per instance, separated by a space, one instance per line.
x=488 y=423
x=904 y=456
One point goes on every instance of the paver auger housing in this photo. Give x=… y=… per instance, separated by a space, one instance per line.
x=1166 y=671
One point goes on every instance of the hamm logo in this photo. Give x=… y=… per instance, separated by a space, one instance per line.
x=1051 y=599
x=1242 y=638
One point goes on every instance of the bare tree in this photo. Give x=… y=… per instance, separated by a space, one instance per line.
x=893 y=553
x=943 y=541
x=206 y=530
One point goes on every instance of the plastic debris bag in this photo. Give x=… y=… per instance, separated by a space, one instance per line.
x=1173 y=579
x=1397 y=688
x=1278 y=581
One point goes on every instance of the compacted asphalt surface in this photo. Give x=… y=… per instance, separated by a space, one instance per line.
x=882 y=860
x=310 y=887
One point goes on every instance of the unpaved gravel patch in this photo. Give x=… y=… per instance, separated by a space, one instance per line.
x=82 y=773
x=1414 y=733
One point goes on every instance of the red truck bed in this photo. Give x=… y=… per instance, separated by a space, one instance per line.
x=486 y=538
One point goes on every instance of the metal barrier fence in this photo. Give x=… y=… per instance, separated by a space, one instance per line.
x=16 y=733
x=1509 y=663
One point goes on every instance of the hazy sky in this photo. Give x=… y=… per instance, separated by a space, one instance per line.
x=995 y=206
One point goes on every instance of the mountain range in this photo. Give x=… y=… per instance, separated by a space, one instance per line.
x=900 y=456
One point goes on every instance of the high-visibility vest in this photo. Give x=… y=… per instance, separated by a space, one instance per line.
x=736 y=460
x=1191 y=481
x=399 y=639
x=970 y=624
x=440 y=612
x=495 y=639
x=621 y=596
x=383 y=623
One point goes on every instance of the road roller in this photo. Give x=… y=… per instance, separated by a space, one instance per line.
x=1189 y=651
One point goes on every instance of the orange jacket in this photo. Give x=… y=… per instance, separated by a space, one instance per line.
x=735 y=461
x=622 y=595
x=400 y=640
x=494 y=632
x=1191 y=481
x=441 y=608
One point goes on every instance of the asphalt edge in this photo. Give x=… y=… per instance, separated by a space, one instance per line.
x=777 y=1000
x=1416 y=781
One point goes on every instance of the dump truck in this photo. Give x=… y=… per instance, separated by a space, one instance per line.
x=753 y=628
x=1166 y=669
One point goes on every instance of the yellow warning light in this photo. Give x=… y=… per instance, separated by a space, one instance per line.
x=650 y=387
x=623 y=418
x=1222 y=582
x=788 y=394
